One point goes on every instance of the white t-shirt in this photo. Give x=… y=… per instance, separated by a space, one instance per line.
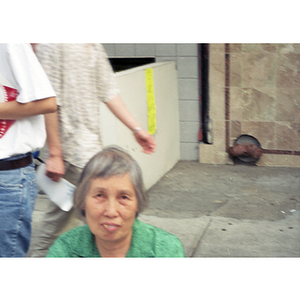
x=20 y=67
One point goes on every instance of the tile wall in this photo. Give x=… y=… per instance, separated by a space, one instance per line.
x=259 y=85
x=186 y=57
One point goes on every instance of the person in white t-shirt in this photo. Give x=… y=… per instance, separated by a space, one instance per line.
x=23 y=77
x=82 y=77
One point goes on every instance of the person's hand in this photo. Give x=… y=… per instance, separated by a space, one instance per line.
x=55 y=168
x=146 y=140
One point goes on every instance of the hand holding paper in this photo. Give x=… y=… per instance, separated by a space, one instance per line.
x=61 y=193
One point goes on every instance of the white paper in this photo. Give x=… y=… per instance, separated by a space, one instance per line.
x=61 y=193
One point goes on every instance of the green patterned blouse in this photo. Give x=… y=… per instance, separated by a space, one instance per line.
x=147 y=241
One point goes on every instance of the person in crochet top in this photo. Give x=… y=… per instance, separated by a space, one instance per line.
x=111 y=194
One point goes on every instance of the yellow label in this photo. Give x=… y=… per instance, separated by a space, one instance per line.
x=150 y=101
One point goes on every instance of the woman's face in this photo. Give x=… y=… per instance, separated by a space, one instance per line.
x=110 y=208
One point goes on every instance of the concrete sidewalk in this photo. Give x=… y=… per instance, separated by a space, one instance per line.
x=228 y=237
x=229 y=210
x=224 y=210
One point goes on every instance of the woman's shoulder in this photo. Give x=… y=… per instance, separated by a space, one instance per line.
x=161 y=242
x=75 y=233
x=74 y=243
x=150 y=229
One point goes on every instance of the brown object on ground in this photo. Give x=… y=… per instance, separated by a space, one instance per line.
x=245 y=149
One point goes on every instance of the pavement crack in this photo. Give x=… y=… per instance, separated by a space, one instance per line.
x=196 y=247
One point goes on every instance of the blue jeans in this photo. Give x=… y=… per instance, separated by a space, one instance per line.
x=18 y=191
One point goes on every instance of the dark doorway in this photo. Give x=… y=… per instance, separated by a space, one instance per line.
x=203 y=71
x=124 y=63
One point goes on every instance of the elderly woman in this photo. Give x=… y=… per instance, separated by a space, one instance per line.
x=110 y=194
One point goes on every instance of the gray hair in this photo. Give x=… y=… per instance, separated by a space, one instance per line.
x=112 y=160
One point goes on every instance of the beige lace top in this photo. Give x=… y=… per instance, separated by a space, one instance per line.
x=82 y=78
